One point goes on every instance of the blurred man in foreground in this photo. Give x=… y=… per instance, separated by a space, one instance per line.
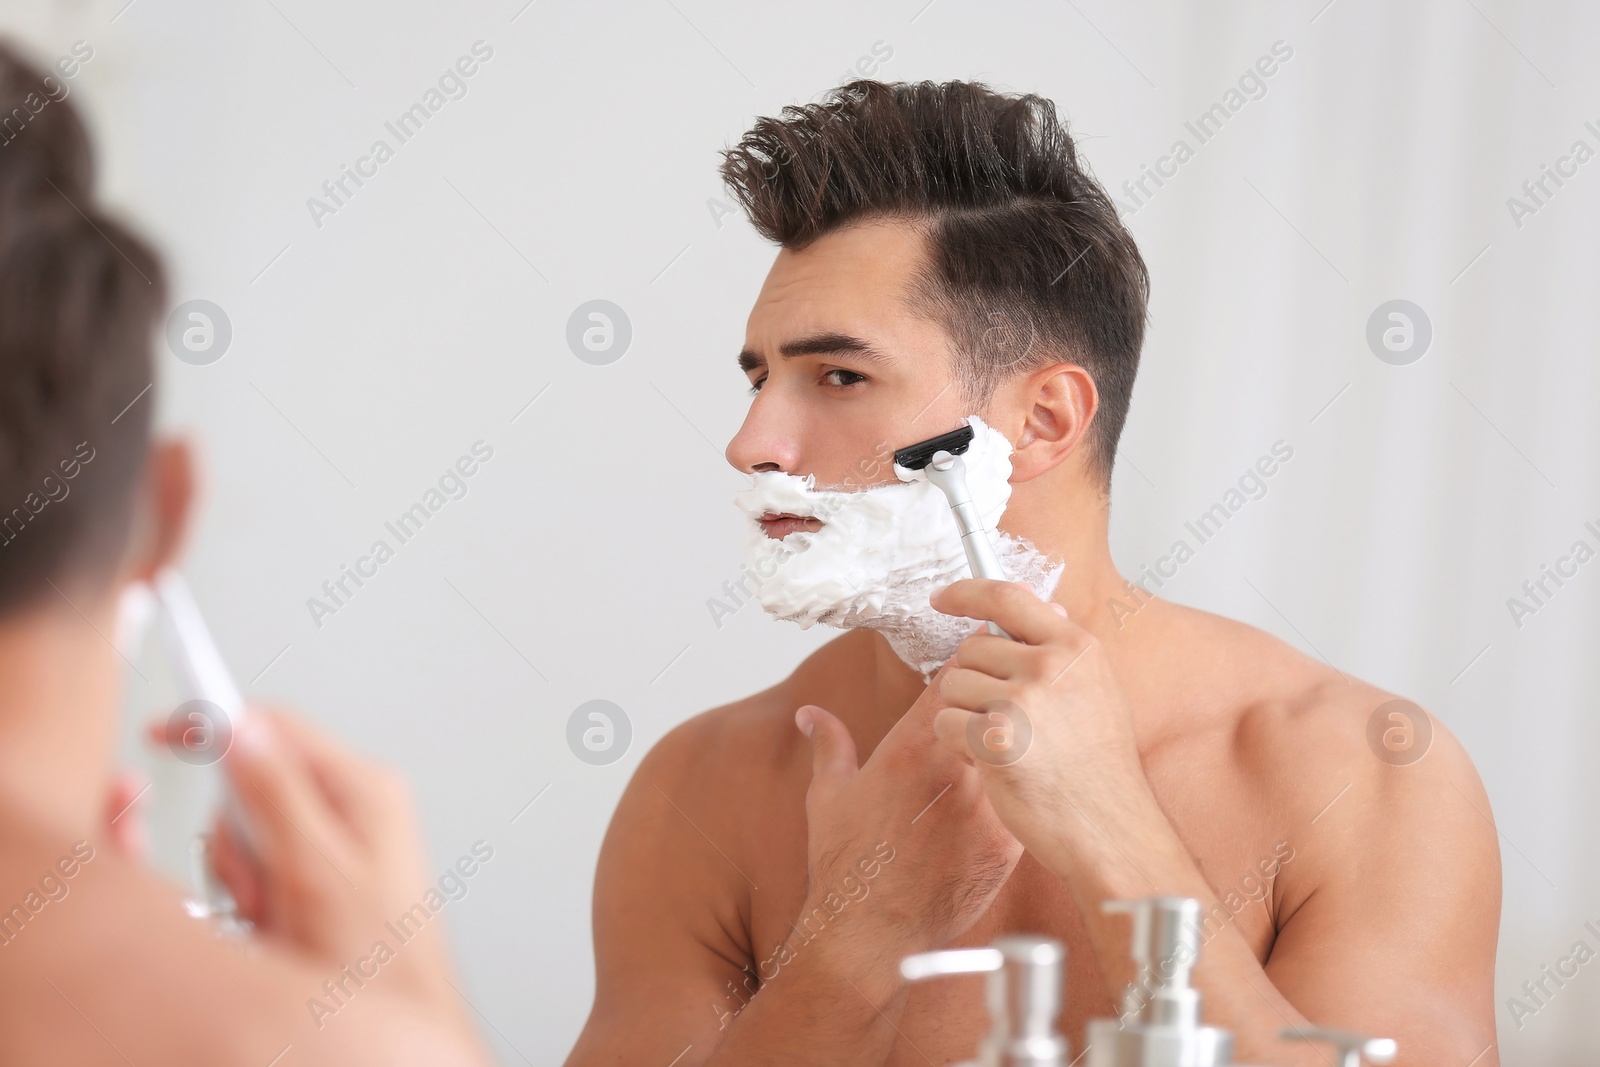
x=98 y=961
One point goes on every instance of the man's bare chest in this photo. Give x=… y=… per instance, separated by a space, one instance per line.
x=1213 y=813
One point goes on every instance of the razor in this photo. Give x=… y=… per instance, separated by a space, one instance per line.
x=204 y=677
x=939 y=458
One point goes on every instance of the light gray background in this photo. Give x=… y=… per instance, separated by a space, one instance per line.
x=370 y=353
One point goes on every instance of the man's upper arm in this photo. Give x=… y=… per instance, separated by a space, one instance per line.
x=1396 y=916
x=670 y=911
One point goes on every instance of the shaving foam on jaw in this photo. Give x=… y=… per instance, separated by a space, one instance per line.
x=882 y=551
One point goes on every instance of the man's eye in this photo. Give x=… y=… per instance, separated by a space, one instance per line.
x=756 y=386
x=853 y=377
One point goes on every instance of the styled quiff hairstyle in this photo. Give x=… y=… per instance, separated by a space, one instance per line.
x=80 y=295
x=1028 y=263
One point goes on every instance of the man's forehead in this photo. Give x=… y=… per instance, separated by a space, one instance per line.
x=884 y=249
x=844 y=282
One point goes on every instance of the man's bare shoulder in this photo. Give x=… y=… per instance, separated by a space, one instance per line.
x=1293 y=713
x=741 y=746
x=71 y=912
x=1331 y=751
x=713 y=804
x=726 y=748
x=77 y=918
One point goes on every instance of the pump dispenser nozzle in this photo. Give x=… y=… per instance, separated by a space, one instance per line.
x=1354 y=1049
x=1024 y=997
x=1160 y=1024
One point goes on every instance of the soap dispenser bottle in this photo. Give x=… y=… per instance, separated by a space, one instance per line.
x=1160 y=1023
x=1024 y=994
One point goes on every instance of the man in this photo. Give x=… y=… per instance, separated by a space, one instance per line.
x=99 y=964
x=944 y=254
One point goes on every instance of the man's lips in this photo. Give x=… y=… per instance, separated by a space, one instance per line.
x=779 y=526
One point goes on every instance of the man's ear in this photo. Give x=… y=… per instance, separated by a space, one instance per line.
x=1057 y=405
x=164 y=508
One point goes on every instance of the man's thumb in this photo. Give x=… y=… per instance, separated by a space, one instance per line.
x=833 y=750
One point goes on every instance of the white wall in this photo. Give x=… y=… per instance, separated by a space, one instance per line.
x=430 y=309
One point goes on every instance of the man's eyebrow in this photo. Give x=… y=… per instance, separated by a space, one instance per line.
x=820 y=344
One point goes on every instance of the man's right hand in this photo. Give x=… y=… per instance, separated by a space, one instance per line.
x=951 y=852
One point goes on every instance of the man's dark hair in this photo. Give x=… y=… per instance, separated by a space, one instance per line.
x=79 y=295
x=1028 y=263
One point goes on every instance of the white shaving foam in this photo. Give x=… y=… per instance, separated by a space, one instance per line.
x=883 y=550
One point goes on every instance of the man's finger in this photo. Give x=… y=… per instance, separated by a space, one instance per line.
x=234 y=868
x=338 y=774
x=950 y=727
x=285 y=809
x=1014 y=606
x=348 y=781
x=970 y=690
x=833 y=750
x=997 y=657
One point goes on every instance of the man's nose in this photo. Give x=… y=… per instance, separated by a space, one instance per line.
x=764 y=442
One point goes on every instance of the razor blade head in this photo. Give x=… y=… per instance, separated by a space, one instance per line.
x=916 y=457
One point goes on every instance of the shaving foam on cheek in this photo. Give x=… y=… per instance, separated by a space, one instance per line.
x=882 y=551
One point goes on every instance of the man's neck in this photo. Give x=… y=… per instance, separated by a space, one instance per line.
x=57 y=712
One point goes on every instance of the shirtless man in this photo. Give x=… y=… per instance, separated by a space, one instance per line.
x=99 y=964
x=1174 y=751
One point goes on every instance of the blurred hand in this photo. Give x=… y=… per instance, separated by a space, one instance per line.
x=333 y=855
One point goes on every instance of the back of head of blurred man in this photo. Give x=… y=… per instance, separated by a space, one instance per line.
x=98 y=961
